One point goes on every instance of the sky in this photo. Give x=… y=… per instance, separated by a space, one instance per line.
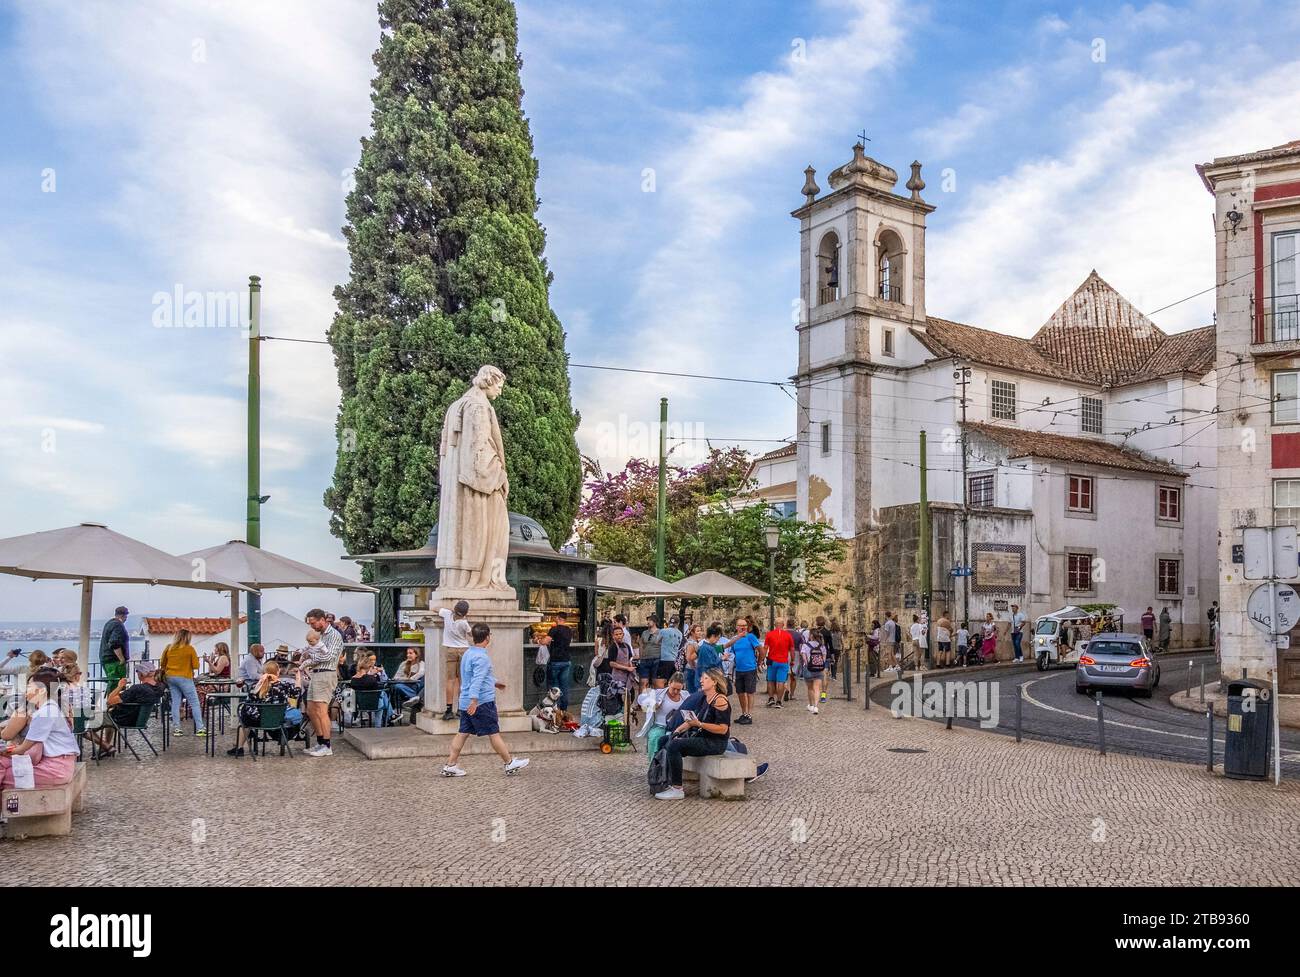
x=158 y=153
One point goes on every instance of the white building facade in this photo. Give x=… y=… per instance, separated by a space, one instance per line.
x=1257 y=240
x=1077 y=466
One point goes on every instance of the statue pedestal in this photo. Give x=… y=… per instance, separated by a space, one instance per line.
x=509 y=626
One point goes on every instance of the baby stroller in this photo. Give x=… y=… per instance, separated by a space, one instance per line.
x=615 y=705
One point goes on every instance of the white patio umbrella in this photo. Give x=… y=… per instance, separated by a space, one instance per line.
x=625 y=580
x=711 y=583
x=92 y=552
x=261 y=569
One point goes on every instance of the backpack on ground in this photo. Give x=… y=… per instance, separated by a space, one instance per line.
x=657 y=775
x=816 y=658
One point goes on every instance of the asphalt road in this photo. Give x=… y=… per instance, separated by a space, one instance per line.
x=1052 y=710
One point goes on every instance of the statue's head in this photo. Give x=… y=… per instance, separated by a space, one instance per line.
x=490 y=380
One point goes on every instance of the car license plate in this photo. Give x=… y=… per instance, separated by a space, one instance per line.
x=1113 y=668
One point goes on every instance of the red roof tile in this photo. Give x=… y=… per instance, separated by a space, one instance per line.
x=1021 y=443
x=1097 y=336
x=194 y=625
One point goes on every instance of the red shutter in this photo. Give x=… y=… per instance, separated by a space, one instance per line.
x=1286 y=450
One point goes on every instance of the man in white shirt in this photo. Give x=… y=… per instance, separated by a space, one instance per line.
x=918 y=639
x=1017 y=631
x=456 y=639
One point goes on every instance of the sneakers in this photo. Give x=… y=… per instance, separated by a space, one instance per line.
x=235 y=751
x=518 y=763
x=320 y=750
x=178 y=731
x=759 y=771
x=671 y=794
x=823 y=697
x=771 y=701
x=448 y=716
x=201 y=733
x=814 y=710
x=809 y=707
x=776 y=705
x=786 y=697
x=452 y=771
x=744 y=721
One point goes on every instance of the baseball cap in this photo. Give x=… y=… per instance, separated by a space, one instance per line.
x=120 y=612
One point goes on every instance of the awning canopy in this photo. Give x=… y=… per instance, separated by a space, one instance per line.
x=625 y=580
x=711 y=583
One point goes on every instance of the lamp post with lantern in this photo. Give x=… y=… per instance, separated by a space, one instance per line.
x=772 y=531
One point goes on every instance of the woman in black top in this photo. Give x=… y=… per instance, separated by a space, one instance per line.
x=705 y=735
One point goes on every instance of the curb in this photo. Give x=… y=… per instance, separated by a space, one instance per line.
x=1189 y=701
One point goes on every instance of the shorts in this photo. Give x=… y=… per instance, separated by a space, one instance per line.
x=666 y=670
x=747 y=682
x=945 y=646
x=808 y=675
x=647 y=668
x=483 y=722
x=778 y=671
x=321 y=686
x=451 y=662
x=114 y=670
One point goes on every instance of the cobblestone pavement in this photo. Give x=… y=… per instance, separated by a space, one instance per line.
x=836 y=808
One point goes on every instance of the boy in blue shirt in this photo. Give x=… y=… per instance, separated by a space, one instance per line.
x=478 y=705
x=745 y=646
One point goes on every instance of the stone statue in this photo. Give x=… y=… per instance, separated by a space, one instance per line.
x=473 y=518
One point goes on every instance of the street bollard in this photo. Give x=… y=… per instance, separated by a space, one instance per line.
x=946 y=708
x=1189 y=677
x=848 y=679
x=1020 y=700
x=1101 y=726
x=1209 y=740
x=1202 y=683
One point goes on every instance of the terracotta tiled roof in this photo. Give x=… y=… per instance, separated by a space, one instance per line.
x=1183 y=352
x=194 y=625
x=943 y=337
x=788 y=451
x=1097 y=333
x=1060 y=447
x=1097 y=336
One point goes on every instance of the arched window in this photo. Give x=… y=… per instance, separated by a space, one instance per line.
x=890 y=266
x=828 y=269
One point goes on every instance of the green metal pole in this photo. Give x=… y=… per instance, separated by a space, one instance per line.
x=924 y=555
x=253 y=532
x=661 y=519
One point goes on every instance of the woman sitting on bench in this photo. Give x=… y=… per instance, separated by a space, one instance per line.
x=47 y=741
x=704 y=734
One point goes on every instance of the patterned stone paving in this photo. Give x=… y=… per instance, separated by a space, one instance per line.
x=836 y=808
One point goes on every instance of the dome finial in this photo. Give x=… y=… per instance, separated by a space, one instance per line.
x=810 y=187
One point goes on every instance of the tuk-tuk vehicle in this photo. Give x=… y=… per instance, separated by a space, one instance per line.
x=1061 y=636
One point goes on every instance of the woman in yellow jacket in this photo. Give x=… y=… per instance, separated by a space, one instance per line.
x=179 y=663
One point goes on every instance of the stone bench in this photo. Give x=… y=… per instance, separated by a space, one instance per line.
x=720 y=776
x=43 y=811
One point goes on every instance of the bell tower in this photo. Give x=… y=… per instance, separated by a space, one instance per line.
x=862 y=298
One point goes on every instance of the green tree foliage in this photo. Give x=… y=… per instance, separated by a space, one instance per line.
x=447 y=275
x=706 y=528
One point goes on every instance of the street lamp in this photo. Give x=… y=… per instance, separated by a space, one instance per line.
x=773 y=533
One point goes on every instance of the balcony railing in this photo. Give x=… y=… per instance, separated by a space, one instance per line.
x=1279 y=320
x=891 y=293
x=827 y=294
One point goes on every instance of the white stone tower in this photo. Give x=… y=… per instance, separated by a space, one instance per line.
x=862 y=289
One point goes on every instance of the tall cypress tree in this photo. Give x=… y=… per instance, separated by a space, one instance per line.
x=447 y=275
